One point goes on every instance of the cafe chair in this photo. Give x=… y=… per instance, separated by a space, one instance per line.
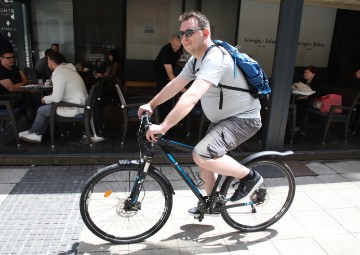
x=349 y=100
x=291 y=121
x=86 y=118
x=197 y=112
x=11 y=115
x=129 y=110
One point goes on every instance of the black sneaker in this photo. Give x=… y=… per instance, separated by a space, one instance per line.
x=246 y=189
x=195 y=211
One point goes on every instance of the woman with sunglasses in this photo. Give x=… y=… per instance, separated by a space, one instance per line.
x=237 y=121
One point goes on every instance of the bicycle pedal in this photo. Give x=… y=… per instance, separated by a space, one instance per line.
x=199 y=218
x=259 y=195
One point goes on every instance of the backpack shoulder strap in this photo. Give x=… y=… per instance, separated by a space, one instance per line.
x=219 y=85
x=206 y=52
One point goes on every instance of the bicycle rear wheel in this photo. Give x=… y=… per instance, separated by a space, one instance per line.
x=102 y=205
x=271 y=200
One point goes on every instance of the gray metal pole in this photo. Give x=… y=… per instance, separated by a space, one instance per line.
x=283 y=72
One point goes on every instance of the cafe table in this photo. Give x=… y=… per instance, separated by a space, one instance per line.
x=34 y=88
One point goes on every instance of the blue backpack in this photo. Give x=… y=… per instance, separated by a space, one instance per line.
x=257 y=80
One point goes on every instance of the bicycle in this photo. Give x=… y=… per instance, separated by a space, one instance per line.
x=131 y=200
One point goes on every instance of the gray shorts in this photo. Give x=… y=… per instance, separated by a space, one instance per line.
x=226 y=136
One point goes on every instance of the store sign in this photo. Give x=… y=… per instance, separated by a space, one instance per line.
x=7 y=21
x=257 y=37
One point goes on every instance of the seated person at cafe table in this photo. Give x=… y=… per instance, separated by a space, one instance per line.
x=111 y=75
x=311 y=79
x=55 y=47
x=68 y=86
x=113 y=70
x=41 y=67
x=12 y=79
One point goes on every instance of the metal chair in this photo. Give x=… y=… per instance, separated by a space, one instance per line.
x=11 y=115
x=86 y=118
x=129 y=110
x=292 y=121
x=349 y=101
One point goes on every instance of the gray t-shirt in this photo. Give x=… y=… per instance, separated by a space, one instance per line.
x=218 y=67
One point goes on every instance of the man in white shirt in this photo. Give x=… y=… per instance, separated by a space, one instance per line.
x=68 y=86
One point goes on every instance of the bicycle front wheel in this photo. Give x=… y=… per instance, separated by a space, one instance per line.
x=271 y=200
x=103 y=205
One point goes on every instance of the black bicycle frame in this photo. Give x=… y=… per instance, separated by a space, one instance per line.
x=163 y=144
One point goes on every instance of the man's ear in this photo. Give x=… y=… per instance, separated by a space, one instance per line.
x=206 y=32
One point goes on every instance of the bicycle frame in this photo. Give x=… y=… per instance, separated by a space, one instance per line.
x=163 y=145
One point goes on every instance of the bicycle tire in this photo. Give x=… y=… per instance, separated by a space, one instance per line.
x=102 y=205
x=279 y=183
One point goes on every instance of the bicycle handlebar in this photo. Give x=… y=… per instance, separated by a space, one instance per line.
x=145 y=123
x=145 y=120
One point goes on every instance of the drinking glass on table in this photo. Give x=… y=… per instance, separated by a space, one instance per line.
x=40 y=83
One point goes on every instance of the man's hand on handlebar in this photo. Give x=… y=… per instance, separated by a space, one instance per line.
x=145 y=108
x=153 y=132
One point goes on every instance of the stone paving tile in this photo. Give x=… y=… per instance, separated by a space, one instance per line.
x=42 y=208
x=41 y=216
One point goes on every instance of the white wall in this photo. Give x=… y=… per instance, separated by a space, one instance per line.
x=159 y=15
x=257 y=36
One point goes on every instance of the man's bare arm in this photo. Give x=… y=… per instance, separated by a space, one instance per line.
x=169 y=71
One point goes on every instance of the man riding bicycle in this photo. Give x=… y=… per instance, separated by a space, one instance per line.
x=238 y=120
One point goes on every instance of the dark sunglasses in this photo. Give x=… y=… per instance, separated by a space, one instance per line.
x=188 y=32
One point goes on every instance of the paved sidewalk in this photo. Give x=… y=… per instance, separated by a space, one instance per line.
x=39 y=214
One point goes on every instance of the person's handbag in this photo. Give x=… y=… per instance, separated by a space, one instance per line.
x=324 y=103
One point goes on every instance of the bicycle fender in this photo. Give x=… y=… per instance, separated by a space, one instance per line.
x=272 y=154
x=136 y=163
x=128 y=162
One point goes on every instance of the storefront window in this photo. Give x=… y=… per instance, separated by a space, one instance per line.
x=52 y=22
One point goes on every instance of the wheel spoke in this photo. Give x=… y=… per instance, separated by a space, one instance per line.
x=103 y=205
x=279 y=184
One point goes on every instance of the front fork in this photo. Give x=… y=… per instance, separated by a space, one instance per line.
x=139 y=180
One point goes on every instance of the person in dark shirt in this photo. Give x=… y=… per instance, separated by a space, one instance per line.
x=311 y=79
x=163 y=69
x=11 y=81
x=11 y=77
x=165 y=62
x=41 y=67
x=112 y=71
x=55 y=47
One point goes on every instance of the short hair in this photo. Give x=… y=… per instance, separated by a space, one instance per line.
x=57 y=57
x=47 y=52
x=6 y=50
x=55 y=44
x=201 y=18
